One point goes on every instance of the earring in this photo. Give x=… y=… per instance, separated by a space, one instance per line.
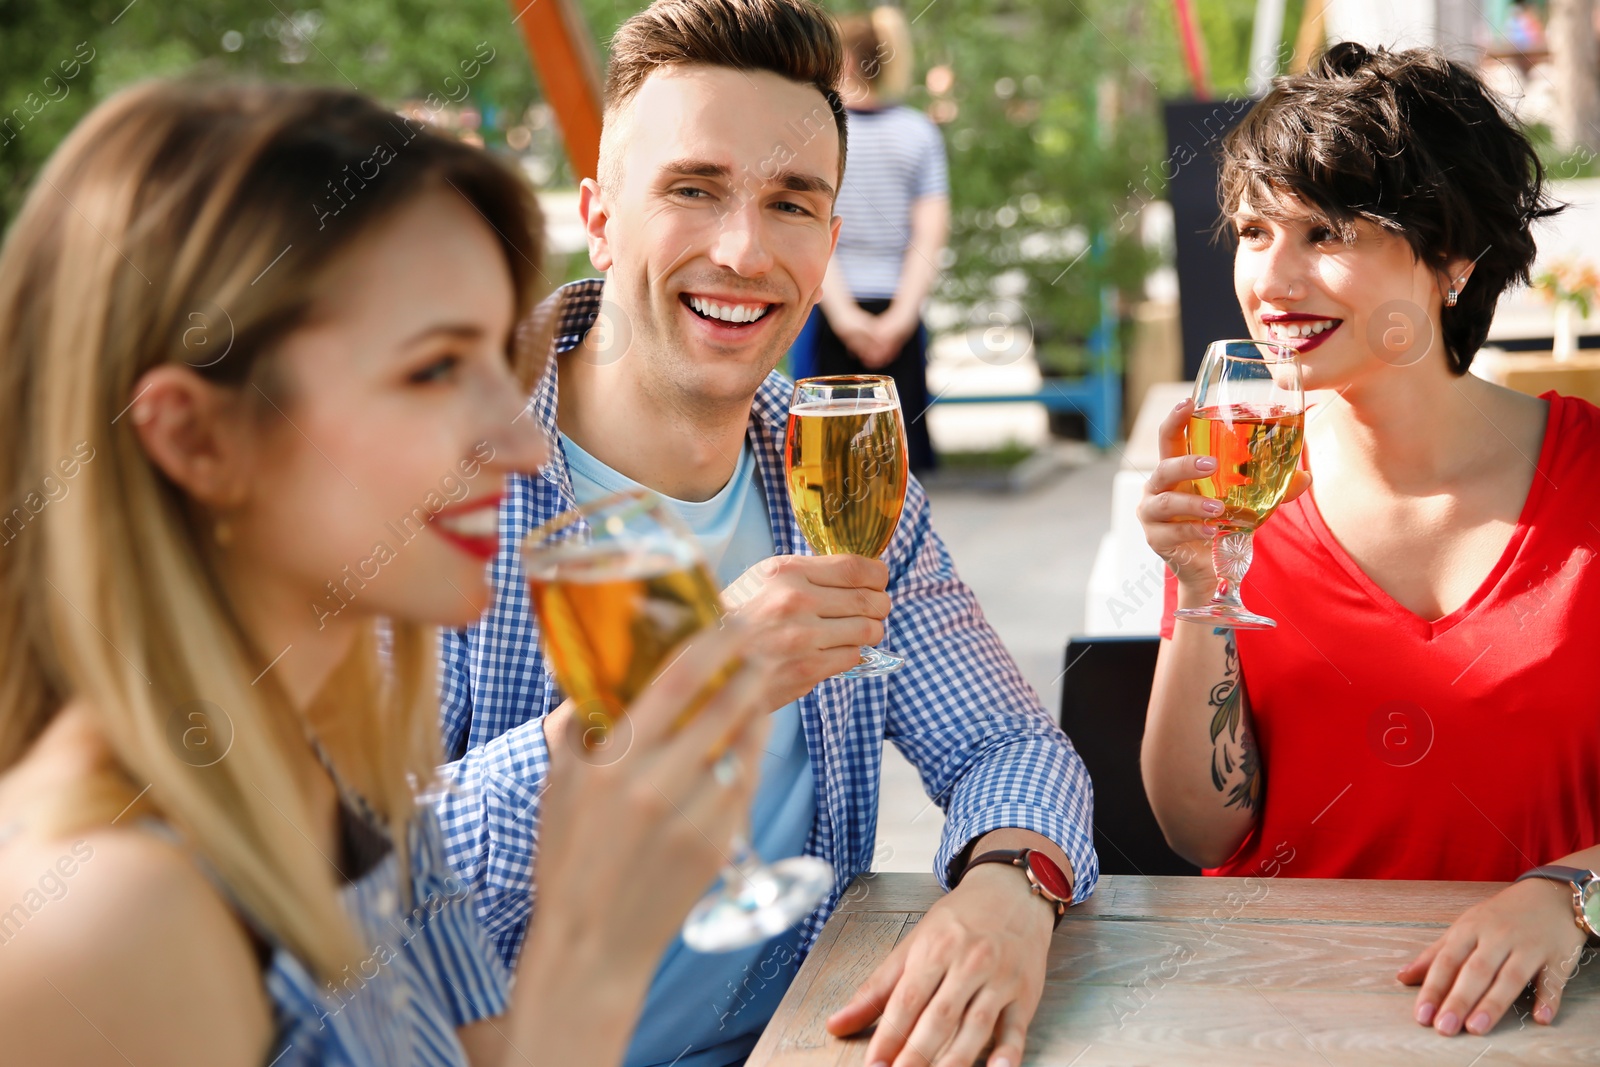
x=1454 y=294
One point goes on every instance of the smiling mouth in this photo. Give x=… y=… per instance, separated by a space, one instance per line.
x=733 y=316
x=1299 y=331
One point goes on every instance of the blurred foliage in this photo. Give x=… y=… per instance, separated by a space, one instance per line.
x=1053 y=125
x=396 y=50
x=1052 y=118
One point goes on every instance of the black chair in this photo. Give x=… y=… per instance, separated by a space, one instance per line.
x=1104 y=693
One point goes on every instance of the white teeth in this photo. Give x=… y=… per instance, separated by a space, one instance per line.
x=728 y=312
x=479 y=522
x=1289 y=331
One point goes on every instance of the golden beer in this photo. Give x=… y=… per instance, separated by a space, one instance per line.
x=609 y=618
x=1256 y=451
x=847 y=473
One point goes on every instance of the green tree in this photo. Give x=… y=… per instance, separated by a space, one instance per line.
x=395 y=50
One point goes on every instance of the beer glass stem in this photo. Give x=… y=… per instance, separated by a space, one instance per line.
x=1230 y=555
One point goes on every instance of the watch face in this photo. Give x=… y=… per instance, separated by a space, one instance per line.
x=1591 y=906
x=1052 y=881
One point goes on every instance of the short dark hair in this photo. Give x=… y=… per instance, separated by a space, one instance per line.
x=792 y=38
x=1413 y=142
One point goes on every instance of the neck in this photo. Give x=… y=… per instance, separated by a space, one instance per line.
x=860 y=96
x=302 y=650
x=1413 y=429
x=649 y=429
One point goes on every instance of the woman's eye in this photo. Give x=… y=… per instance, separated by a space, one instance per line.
x=1249 y=233
x=437 y=370
x=1320 y=234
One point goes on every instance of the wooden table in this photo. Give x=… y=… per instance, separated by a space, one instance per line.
x=1201 y=971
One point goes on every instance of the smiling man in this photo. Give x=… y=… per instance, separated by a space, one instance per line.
x=713 y=223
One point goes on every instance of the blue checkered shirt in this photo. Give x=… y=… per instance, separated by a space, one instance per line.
x=988 y=752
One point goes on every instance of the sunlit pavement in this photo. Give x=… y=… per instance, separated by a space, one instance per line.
x=1027 y=555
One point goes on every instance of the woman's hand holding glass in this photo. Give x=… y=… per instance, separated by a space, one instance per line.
x=665 y=816
x=1177 y=519
x=1229 y=458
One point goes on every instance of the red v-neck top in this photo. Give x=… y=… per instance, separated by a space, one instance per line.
x=1466 y=747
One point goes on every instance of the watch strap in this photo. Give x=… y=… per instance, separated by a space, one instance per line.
x=1020 y=858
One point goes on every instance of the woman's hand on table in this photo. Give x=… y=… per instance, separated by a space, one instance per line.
x=1470 y=976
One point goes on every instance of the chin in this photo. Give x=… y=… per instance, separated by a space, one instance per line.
x=461 y=602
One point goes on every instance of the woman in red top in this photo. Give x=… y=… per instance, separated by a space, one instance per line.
x=1427 y=706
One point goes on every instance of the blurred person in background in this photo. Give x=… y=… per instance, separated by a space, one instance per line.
x=895 y=203
x=1426 y=707
x=259 y=402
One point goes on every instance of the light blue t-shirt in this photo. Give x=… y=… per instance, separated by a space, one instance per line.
x=708 y=1011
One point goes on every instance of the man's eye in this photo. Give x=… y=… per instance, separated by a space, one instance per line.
x=438 y=370
x=689 y=192
x=789 y=207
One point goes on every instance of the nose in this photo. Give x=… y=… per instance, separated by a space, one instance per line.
x=511 y=432
x=1279 y=273
x=740 y=245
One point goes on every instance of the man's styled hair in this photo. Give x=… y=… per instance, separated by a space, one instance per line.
x=795 y=39
x=1410 y=141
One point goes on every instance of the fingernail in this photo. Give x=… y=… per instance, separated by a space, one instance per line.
x=1211 y=507
x=1479 y=1022
x=1543 y=1014
x=1425 y=1013
x=1181 y=405
x=1448 y=1023
x=1001 y=1062
x=1205 y=463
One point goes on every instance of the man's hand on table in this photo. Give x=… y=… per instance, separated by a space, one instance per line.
x=1472 y=974
x=811 y=615
x=972 y=970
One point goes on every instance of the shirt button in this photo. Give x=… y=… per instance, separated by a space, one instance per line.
x=386 y=901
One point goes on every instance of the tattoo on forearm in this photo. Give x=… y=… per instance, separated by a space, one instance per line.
x=1235 y=767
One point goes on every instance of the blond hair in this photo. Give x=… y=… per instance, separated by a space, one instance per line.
x=877 y=49
x=172 y=201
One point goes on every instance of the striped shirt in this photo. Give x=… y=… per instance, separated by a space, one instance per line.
x=896 y=158
x=988 y=752
x=426 y=972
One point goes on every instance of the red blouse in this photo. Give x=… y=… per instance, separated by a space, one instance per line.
x=1466 y=747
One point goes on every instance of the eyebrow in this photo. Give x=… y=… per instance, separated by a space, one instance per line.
x=793 y=180
x=459 y=331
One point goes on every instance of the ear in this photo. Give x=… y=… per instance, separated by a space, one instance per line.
x=833 y=244
x=592 y=206
x=195 y=432
x=1457 y=271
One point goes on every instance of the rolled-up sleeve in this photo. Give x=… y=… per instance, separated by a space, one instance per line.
x=988 y=752
x=488 y=808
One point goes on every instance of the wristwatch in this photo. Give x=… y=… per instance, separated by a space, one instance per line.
x=1043 y=874
x=1585 y=894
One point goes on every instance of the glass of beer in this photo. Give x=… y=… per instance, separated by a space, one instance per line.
x=1249 y=415
x=846 y=458
x=618 y=584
